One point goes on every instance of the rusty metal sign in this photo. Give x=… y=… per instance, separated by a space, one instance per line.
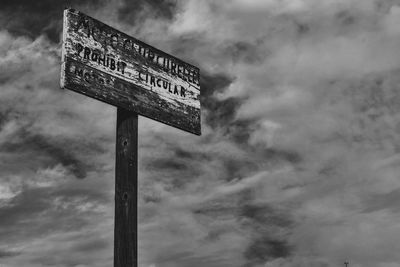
x=106 y=64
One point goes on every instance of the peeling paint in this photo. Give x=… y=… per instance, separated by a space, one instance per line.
x=108 y=65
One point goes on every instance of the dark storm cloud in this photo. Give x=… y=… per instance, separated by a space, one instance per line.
x=34 y=18
x=190 y=155
x=181 y=166
x=220 y=113
x=4 y=116
x=267 y=226
x=28 y=204
x=273 y=156
x=52 y=151
x=40 y=211
x=258 y=217
x=246 y=52
x=176 y=172
x=379 y=202
x=8 y=254
x=167 y=164
x=265 y=214
x=133 y=10
x=53 y=260
x=92 y=245
x=345 y=18
x=265 y=222
x=31 y=102
x=212 y=84
x=33 y=202
x=238 y=168
x=302 y=28
x=86 y=193
x=265 y=249
x=226 y=207
x=60 y=216
x=239 y=130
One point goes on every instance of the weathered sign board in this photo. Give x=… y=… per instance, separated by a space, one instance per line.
x=103 y=63
x=108 y=65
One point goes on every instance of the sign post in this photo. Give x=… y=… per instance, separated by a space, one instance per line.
x=126 y=186
x=108 y=65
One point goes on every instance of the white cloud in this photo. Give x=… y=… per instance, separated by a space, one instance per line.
x=317 y=83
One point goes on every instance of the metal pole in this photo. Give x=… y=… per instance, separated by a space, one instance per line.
x=126 y=181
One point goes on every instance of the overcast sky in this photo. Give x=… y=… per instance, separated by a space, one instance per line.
x=298 y=164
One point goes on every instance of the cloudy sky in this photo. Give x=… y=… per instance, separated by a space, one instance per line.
x=298 y=164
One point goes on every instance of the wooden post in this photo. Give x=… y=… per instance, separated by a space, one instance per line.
x=167 y=91
x=126 y=181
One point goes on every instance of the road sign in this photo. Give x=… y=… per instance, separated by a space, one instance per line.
x=106 y=64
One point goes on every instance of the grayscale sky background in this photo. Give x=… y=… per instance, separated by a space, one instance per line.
x=298 y=164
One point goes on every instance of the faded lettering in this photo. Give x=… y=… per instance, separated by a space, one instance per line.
x=168 y=64
x=108 y=65
x=107 y=60
x=162 y=84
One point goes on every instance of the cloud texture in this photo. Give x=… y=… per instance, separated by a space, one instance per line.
x=298 y=164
